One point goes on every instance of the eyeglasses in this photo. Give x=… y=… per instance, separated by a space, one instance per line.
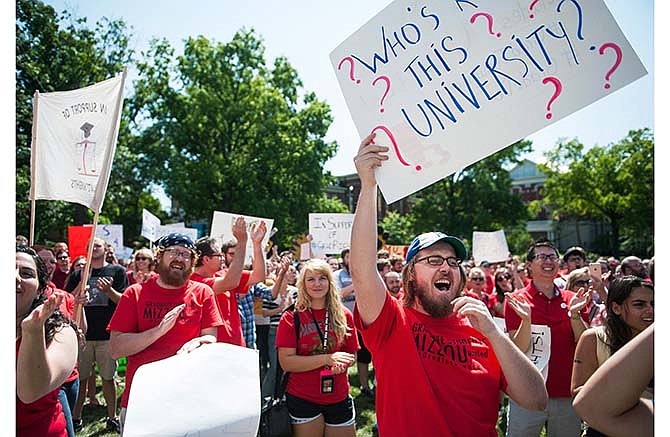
x=500 y=278
x=582 y=283
x=543 y=257
x=141 y=258
x=477 y=278
x=438 y=260
x=215 y=255
x=176 y=253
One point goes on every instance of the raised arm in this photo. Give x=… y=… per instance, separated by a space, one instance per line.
x=369 y=286
x=520 y=336
x=610 y=400
x=234 y=273
x=41 y=369
x=524 y=382
x=258 y=263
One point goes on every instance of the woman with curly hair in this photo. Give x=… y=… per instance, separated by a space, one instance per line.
x=317 y=393
x=630 y=310
x=46 y=349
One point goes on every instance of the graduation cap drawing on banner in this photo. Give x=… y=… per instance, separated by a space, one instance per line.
x=86 y=127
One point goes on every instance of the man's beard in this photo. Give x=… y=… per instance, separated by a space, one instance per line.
x=173 y=278
x=438 y=306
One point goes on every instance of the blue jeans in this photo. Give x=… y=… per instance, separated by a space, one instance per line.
x=67 y=396
x=268 y=386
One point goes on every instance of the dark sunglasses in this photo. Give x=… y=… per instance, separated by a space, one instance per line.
x=62 y=257
x=500 y=278
x=478 y=279
x=141 y=258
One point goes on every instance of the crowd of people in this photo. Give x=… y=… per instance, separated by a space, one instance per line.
x=449 y=339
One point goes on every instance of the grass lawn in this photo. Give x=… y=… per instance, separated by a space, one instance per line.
x=95 y=416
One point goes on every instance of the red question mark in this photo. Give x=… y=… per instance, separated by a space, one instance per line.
x=388 y=88
x=532 y=5
x=395 y=146
x=351 y=68
x=488 y=18
x=617 y=62
x=559 y=87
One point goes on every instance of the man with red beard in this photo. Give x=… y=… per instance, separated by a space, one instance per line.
x=164 y=315
x=454 y=359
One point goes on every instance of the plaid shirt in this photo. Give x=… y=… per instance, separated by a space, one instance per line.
x=245 y=305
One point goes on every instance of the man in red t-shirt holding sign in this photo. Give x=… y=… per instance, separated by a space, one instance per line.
x=164 y=315
x=454 y=359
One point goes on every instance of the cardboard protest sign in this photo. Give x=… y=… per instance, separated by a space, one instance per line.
x=331 y=233
x=445 y=83
x=112 y=234
x=77 y=240
x=150 y=224
x=222 y=229
x=205 y=400
x=489 y=246
x=540 y=345
x=74 y=141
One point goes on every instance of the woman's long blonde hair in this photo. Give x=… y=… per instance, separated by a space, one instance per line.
x=333 y=302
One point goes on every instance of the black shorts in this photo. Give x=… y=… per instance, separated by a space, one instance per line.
x=363 y=355
x=339 y=414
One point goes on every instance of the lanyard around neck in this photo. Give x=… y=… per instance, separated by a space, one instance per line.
x=322 y=335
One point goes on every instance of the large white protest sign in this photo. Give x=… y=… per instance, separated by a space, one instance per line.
x=150 y=225
x=222 y=229
x=445 y=83
x=74 y=140
x=112 y=234
x=216 y=393
x=540 y=345
x=331 y=233
x=489 y=246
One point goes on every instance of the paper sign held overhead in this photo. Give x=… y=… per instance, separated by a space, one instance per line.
x=222 y=229
x=446 y=83
x=331 y=233
x=489 y=246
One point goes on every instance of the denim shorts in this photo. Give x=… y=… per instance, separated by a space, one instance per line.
x=339 y=414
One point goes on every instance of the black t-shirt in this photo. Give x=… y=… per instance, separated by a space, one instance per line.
x=100 y=308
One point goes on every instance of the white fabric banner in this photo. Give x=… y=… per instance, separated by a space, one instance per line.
x=444 y=84
x=489 y=246
x=212 y=391
x=74 y=140
x=331 y=233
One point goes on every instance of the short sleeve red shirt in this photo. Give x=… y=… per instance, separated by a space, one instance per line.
x=440 y=373
x=307 y=385
x=143 y=306
x=231 y=329
x=554 y=314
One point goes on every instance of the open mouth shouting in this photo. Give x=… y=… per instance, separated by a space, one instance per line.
x=443 y=284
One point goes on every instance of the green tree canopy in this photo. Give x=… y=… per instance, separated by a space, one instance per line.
x=224 y=132
x=613 y=183
x=61 y=53
x=478 y=198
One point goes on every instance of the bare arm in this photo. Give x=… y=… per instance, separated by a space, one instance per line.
x=585 y=362
x=124 y=344
x=258 y=262
x=520 y=336
x=370 y=289
x=346 y=291
x=610 y=399
x=292 y=362
x=524 y=382
x=578 y=302
x=41 y=369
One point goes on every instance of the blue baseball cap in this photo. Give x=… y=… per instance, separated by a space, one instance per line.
x=426 y=240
